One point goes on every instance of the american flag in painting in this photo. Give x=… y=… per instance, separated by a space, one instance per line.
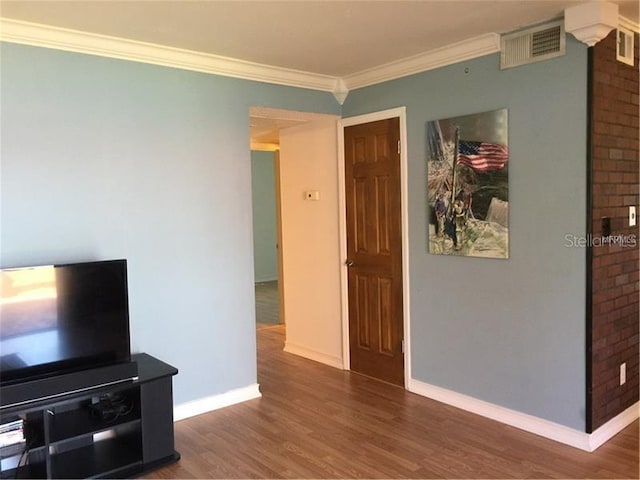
x=482 y=156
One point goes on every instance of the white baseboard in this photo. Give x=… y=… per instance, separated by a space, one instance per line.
x=214 y=402
x=529 y=423
x=523 y=421
x=305 y=352
x=614 y=426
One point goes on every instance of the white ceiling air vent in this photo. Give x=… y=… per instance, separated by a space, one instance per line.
x=533 y=44
x=625 y=46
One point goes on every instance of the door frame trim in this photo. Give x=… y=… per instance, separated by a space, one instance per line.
x=278 y=192
x=401 y=113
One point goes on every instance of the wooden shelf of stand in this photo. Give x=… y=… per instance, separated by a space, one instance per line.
x=68 y=439
x=36 y=470
x=111 y=458
x=80 y=422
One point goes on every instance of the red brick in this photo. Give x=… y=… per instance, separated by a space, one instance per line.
x=629 y=132
x=616 y=177
x=615 y=273
x=631 y=155
x=614 y=270
x=621 y=302
x=600 y=164
x=629 y=109
x=622 y=189
x=602 y=77
x=600 y=177
x=615 y=154
x=628 y=166
x=601 y=153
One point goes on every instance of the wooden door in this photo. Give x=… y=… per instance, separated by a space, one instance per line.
x=374 y=249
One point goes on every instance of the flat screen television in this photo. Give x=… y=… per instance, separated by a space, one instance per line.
x=58 y=319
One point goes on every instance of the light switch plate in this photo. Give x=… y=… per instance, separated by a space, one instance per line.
x=312 y=195
x=632 y=216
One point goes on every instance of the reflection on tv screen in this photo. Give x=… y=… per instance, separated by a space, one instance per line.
x=65 y=316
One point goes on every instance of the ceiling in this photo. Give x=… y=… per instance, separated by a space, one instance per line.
x=335 y=38
x=265 y=125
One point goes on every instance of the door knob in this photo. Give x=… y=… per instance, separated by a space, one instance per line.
x=349 y=263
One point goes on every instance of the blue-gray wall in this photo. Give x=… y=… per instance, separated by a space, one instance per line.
x=265 y=238
x=511 y=332
x=103 y=158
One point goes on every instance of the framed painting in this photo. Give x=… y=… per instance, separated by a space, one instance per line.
x=468 y=185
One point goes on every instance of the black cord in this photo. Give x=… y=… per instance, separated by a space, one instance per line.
x=123 y=405
x=24 y=455
x=112 y=408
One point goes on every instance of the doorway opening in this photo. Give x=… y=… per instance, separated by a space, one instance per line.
x=265 y=125
x=312 y=256
x=303 y=147
x=264 y=191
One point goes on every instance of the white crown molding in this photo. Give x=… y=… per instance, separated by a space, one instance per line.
x=214 y=402
x=539 y=426
x=46 y=36
x=591 y=22
x=340 y=91
x=27 y=33
x=440 y=57
x=629 y=24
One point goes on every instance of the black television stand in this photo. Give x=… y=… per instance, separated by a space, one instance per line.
x=118 y=430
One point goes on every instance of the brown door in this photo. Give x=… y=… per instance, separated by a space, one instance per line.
x=374 y=249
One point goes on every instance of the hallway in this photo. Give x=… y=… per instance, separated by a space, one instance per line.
x=267 y=304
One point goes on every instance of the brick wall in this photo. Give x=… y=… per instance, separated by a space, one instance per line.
x=615 y=275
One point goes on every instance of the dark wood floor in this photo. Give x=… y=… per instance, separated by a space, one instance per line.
x=314 y=421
